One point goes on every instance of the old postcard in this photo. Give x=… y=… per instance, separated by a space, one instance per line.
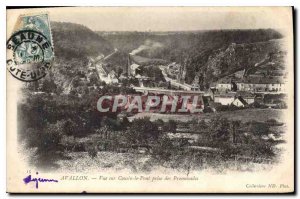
x=150 y=100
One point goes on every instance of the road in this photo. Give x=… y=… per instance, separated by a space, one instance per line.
x=174 y=82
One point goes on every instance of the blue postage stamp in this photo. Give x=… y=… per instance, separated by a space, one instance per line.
x=30 y=48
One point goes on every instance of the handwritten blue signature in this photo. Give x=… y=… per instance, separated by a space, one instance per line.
x=29 y=179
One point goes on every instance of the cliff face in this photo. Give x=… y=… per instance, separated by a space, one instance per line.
x=236 y=57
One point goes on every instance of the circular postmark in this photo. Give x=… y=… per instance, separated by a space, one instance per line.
x=29 y=55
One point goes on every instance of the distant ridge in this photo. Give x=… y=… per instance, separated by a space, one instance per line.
x=75 y=40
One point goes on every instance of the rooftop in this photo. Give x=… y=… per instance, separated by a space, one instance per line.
x=245 y=94
x=242 y=100
x=224 y=80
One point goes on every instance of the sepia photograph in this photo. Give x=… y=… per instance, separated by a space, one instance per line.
x=150 y=100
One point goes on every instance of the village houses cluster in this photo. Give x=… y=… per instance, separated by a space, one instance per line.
x=243 y=91
x=227 y=91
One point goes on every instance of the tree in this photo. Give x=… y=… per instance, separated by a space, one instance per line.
x=70 y=127
x=200 y=126
x=53 y=134
x=170 y=126
x=76 y=82
x=119 y=71
x=110 y=123
x=91 y=148
x=46 y=140
x=33 y=86
x=48 y=86
x=234 y=126
x=125 y=122
x=94 y=79
x=163 y=148
x=143 y=131
x=159 y=122
x=219 y=129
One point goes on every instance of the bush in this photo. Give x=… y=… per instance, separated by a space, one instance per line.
x=170 y=126
x=159 y=123
x=48 y=139
x=111 y=123
x=282 y=105
x=199 y=126
x=70 y=127
x=257 y=105
x=70 y=143
x=208 y=110
x=91 y=149
x=271 y=122
x=257 y=148
x=259 y=128
x=228 y=108
x=219 y=130
x=163 y=149
x=142 y=132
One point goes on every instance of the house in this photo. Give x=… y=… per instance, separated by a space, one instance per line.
x=112 y=77
x=123 y=76
x=133 y=68
x=249 y=100
x=142 y=79
x=226 y=84
x=238 y=99
x=225 y=99
x=173 y=70
x=223 y=86
x=261 y=84
x=239 y=102
x=109 y=77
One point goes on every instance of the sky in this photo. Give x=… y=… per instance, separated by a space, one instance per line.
x=171 y=18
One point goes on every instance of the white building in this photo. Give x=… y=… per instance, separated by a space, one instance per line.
x=249 y=100
x=261 y=84
x=224 y=84
x=239 y=99
x=133 y=68
x=109 y=77
x=224 y=99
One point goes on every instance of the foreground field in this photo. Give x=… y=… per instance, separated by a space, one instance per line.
x=116 y=150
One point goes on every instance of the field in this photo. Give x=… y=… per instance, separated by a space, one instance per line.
x=244 y=115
